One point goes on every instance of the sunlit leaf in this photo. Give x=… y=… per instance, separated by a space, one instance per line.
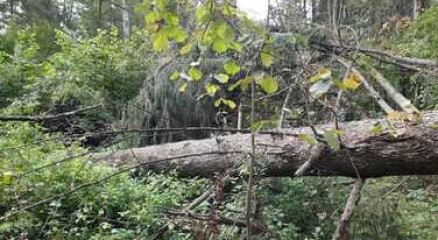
x=235 y=46
x=211 y=89
x=171 y=18
x=257 y=126
x=222 y=78
x=231 y=67
x=160 y=41
x=396 y=115
x=233 y=86
x=245 y=83
x=183 y=87
x=218 y=102
x=202 y=13
x=231 y=104
x=195 y=74
x=332 y=139
x=161 y=4
x=153 y=17
x=323 y=73
x=308 y=138
x=186 y=49
x=378 y=128
x=352 y=82
x=178 y=34
x=267 y=58
x=268 y=84
x=219 y=45
x=174 y=75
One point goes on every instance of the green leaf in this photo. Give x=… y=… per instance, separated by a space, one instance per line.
x=218 y=102
x=323 y=73
x=320 y=88
x=153 y=17
x=332 y=139
x=174 y=75
x=195 y=74
x=7 y=178
x=161 y=4
x=202 y=14
x=220 y=45
x=160 y=41
x=257 y=126
x=234 y=85
x=211 y=89
x=222 y=30
x=186 y=49
x=231 y=104
x=378 y=128
x=308 y=138
x=246 y=82
x=183 y=87
x=222 y=78
x=177 y=34
x=267 y=58
x=171 y=18
x=235 y=46
x=268 y=84
x=231 y=67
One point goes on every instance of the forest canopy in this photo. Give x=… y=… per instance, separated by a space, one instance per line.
x=188 y=119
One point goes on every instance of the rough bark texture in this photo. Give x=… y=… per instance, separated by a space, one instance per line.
x=414 y=151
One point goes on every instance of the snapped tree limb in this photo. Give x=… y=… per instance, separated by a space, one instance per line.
x=400 y=150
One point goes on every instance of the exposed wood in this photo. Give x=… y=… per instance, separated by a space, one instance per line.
x=395 y=95
x=413 y=151
x=344 y=223
x=431 y=63
x=374 y=94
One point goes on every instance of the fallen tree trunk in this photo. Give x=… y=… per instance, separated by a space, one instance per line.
x=405 y=149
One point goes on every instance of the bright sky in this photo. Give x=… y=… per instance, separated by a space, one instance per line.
x=256 y=9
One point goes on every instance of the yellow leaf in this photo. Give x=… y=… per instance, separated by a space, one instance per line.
x=183 y=87
x=352 y=82
x=395 y=115
x=323 y=73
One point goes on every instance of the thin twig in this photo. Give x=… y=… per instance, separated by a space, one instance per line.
x=39 y=118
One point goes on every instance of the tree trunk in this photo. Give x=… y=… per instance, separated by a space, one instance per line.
x=404 y=149
x=125 y=19
x=417 y=9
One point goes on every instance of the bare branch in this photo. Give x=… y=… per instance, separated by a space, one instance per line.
x=344 y=223
x=39 y=118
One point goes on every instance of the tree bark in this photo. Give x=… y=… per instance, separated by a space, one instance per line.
x=403 y=149
x=417 y=9
x=125 y=19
